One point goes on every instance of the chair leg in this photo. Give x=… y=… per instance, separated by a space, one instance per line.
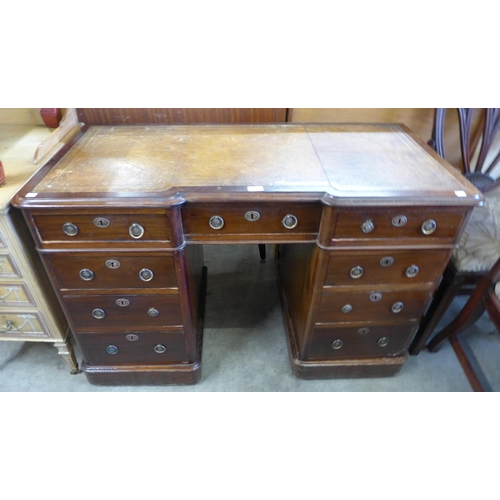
x=447 y=290
x=262 y=252
x=464 y=319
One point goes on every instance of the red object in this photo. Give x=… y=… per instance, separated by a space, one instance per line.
x=51 y=116
x=2 y=174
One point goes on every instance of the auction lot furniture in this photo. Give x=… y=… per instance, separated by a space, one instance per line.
x=29 y=310
x=366 y=217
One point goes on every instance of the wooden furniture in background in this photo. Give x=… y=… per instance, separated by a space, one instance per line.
x=479 y=246
x=144 y=116
x=29 y=310
x=366 y=217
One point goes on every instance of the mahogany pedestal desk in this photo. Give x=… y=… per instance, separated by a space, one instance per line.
x=366 y=217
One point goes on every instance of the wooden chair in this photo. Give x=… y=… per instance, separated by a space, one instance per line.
x=478 y=253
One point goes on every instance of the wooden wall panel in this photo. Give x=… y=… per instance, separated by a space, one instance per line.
x=131 y=116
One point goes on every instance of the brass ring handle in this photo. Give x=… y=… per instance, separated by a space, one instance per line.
x=136 y=231
x=70 y=229
x=368 y=226
x=356 y=272
x=8 y=326
x=216 y=222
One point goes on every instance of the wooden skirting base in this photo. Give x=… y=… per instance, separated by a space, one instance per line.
x=181 y=374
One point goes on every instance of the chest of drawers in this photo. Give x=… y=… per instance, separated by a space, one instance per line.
x=366 y=218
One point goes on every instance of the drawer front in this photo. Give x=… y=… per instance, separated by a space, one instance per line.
x=15 y=294
x=398 y=222
x=22 y=325
x=108 y=313
x=360 y=341
x=387 y=266
x=8 y=267
x=120 y=270
x=101 y=227
x=251 y=218
x=141 y=347
x=371 y=306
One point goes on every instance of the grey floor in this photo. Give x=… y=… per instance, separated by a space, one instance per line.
x=245 y=349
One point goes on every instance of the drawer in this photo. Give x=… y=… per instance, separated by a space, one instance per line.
x=108 y=313
x=117 y=270
x=384 y=266
x=359 y=341
x=15 y=294
x=396 y=305
x=136 y=348
x=398 y=222
x=102 y=227
x=251 y=218
x=22 y=325
x=8 y=267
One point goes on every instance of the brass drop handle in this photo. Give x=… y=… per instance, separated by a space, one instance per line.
x=70 y=229
x=429 y=226
x=86 y=275
x=98 y=313
x=356 y=272
x=346 y=309
x=382 y=342
x=368 y=226
x=159 y=348
x=8 y=326
x=216 y=222
x=337 y=344
x=112 y=349
x=146 y=274
x=136 y=231
x=290 y=221
x=397 y=307
x=153 y=312
x=412 y=271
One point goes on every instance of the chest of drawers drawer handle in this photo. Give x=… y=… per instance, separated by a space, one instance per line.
x=397 y=307
x=429 y=226
x=356 y=272
x=136 y=231
x=375 y=296
x=160 y=348
x=368 y=226
x=70 y=229
x=8 y=326
x=146 y=274
x=412 y=271
x=382 y=342
x=216 y=222
x=346 y=309
x=290 y=221
x=153 y=312
x=337 y=344
x=112 y=349
x=86 y=275
x=399 y=221
x=98 y=313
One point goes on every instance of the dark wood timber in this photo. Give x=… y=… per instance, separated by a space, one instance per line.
x=307 y=187
x=146 y=116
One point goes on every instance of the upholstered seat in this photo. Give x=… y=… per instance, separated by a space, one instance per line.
x=479 y=246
